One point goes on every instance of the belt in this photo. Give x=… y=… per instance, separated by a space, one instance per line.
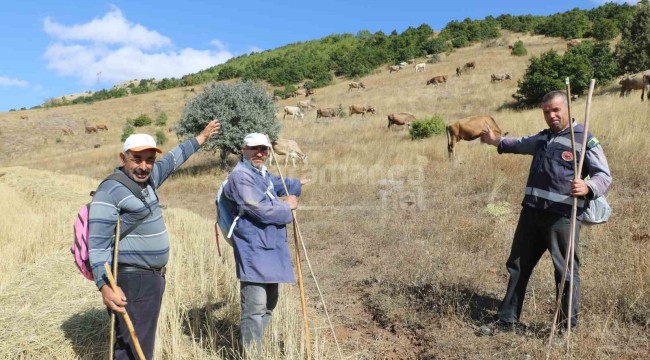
x=123 y=268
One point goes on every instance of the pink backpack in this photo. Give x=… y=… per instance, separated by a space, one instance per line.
x=79 y=248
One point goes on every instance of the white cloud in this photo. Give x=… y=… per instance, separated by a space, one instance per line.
x=255 y=49
x=113 y=28
x=112 y=49
x=5 y=81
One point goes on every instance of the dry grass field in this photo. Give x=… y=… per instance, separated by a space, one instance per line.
x=409 y=248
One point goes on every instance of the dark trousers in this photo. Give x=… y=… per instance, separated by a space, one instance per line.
x=143 y=290
x=538 y=231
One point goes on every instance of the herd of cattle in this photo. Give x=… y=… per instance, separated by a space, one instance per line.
x=88 y=129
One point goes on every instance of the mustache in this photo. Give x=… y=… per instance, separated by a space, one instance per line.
x=139 y=171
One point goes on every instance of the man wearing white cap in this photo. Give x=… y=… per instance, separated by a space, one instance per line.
x=259 y=236
x=144 y=244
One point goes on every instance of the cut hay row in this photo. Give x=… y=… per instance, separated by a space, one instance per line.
x=51 y=312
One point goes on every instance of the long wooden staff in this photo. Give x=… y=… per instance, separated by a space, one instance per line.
x=298 y=236
x=127 y=319
x=569 y=255
x=116 y=252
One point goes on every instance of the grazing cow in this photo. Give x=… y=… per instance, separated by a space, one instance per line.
x=325 y=112
x=572 y=43
x=394 y=68
x=91 y=129
x=420 y=67
x=510 y=47
x=306 y=105
x=646 y=87
x=468 y=129
x=500 y=77
x=310 y=92
x=293 y=111
x=437 y=80
x=469 y=65
x=355 y=85
x=402 y=118
x=362 y=109
x=629 y=83
x=290 y=149
x=101 y=127
x=459 y=71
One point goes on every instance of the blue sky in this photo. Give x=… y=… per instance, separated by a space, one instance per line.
x=54 y=48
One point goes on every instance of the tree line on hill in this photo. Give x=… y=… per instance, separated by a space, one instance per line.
x=313 y=63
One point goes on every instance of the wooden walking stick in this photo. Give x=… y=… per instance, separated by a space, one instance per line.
x=116 y=252
x=127 y=319
x=569 y=255
x=298 y=236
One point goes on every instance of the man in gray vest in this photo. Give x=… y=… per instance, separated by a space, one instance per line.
x=144 y=251
x=544 y=222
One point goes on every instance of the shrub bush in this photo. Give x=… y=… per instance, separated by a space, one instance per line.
x=161 y=139
x=242 y=108
x=161 y=120
x=518 y=49
x=426 y=127
x=142 y=120
x=127 y=130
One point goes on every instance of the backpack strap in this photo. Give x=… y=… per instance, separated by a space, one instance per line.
x=120 y=177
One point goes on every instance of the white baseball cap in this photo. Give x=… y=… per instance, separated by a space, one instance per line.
x=256 y=139
x=139 y=142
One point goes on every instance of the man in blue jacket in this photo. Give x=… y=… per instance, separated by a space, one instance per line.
x=259 y=236
x=544 y=222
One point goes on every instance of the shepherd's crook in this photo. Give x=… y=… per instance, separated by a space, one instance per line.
x=297 y=235
x=569 y=255
x=127 y=319
x=116 y=252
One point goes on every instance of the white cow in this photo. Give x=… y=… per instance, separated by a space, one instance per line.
x=293 y=111
x=420 y=67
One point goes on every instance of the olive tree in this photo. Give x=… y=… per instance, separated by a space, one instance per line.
x=242 y=108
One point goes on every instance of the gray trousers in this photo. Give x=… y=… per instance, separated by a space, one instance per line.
x=538 y=231
x=257 y=303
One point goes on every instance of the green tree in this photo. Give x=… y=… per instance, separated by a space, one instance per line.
x=604 y=29
x=633 y=51
x=242 y=108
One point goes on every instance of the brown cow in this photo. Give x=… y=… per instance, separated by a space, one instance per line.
x=437 y=80
x=91 y=129
x=325 y=112
x=290 y=149
x=67 y=131
x=459 y=71
x=101 y=127
x=310 y=92
x=362 y=109
x=469 y=65
x=402 y=118
x=629 y=83
x=355 y=85
x=468 y=129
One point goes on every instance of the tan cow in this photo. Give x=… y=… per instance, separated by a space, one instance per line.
x=629 y=83
x=305 y=105
x=468 y=129
x=91 y=129
x=293 y=111
x=394 y=68
x=290 y=149
x=500 y=77
x=362 y=109
x=437 y=80
x=101 y=127
x=355 y=85
x=67 y=131
x=325 y=112
x=402 y=118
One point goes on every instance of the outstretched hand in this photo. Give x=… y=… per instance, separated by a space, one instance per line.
x=489 y=137
x=210 y=130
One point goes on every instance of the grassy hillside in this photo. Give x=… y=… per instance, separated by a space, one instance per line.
x=409 y=247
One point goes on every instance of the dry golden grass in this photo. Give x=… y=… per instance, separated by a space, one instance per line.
x=409 y=247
